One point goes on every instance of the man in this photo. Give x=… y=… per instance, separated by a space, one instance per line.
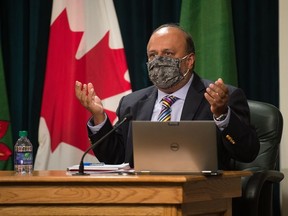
x=171 y=59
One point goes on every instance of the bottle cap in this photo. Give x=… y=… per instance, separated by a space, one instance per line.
x=23 y=133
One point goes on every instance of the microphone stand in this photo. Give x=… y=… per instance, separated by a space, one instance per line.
x=81 y=164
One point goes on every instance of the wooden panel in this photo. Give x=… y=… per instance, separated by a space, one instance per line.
x=213 y=207
x=89 y=210
x=90 y=194
x=214 y=188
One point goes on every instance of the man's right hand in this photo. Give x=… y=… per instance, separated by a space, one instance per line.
x=86 y=95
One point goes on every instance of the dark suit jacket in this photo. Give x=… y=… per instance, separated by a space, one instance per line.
x=238 y=141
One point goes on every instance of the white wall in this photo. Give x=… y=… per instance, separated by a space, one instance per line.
x=283 y=76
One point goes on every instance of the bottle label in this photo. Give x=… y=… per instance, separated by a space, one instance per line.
x=24 y=158
x=23 y=148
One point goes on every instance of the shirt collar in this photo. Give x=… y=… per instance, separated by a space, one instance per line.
x=181 y=93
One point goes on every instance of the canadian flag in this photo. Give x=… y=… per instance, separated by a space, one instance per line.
x=85 y=44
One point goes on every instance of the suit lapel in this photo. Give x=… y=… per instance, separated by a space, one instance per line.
x=194 y=98
x=145 y=106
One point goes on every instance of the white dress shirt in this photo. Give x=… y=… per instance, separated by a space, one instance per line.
x=176 y=108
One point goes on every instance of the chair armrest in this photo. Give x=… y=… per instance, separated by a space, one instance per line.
x=256 y=182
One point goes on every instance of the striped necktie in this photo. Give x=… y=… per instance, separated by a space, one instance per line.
x=165 y=114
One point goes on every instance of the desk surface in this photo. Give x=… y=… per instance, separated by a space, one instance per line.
x=63 y=176
x=56 y=193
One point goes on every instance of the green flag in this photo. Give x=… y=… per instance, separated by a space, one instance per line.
x=6 y=145
x=210 y=24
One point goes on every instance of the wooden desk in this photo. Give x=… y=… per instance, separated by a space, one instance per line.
x=55 y=193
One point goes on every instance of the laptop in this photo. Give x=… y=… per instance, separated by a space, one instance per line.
x=183 y=147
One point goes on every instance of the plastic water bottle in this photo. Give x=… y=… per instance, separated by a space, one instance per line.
x=23 y=154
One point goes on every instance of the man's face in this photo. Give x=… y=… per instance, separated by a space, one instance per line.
x=171 y=42
x=167 y=41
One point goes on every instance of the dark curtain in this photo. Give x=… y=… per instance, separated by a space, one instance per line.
x=25 y=32
x=137 y=20
x=256 y=37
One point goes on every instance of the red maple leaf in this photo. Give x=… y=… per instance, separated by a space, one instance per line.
x=104 y=67
x=3 y=128
x=5 y=151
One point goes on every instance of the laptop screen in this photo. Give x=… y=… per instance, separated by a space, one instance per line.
x=174 y=147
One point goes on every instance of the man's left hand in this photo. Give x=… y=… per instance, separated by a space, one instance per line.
x=217 y=95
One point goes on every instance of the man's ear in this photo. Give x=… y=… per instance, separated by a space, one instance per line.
x=191 y=60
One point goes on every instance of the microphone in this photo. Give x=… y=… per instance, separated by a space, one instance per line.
x=117 y=125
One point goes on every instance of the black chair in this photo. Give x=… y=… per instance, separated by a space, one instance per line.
x=257 y=190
